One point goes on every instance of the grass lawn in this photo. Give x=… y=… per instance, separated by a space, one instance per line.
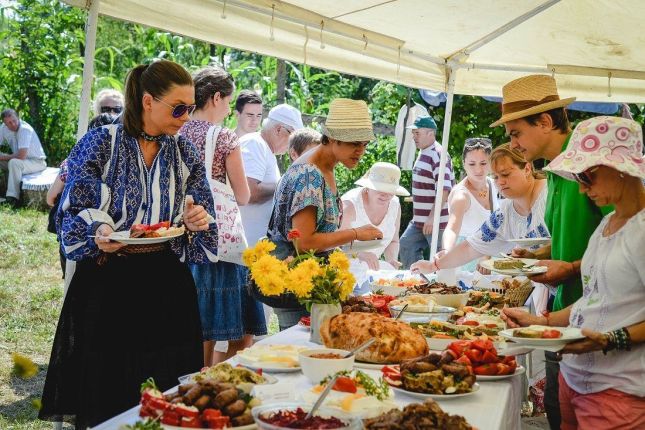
x=31 y=294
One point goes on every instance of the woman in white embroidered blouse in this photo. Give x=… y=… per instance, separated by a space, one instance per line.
x=603 y=384
x=520 y=215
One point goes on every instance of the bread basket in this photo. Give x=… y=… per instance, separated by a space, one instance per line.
x=517 y=291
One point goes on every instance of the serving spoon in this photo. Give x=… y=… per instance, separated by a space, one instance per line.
x=322 y=396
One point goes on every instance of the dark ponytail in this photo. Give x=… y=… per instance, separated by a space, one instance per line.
x=156 y=79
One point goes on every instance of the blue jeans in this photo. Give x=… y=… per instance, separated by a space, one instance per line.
x=412 y=244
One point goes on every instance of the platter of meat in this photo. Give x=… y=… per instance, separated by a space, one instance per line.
x=144 y=234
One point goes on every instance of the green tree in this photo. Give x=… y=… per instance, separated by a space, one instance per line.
x=40 y=69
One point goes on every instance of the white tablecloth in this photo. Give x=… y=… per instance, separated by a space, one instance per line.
x=495 y=406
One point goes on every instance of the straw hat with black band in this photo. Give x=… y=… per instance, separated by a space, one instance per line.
x=349 y=121
x=529 y=95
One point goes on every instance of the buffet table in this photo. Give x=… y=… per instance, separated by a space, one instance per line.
x=495 y=406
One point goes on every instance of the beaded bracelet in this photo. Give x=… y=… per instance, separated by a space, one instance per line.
x=618 y=339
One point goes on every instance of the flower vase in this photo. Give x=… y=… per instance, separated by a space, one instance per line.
x=319 y=313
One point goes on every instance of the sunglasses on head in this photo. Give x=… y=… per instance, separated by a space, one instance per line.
x=115 y=109
x=585 y=177
x=478 y=143
x=178 y=110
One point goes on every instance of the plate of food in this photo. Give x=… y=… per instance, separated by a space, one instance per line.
x=198 y=405
x=440 y=334
x=538 y=336
x=271 y=358
x=513 y=266
x=354 y=392
x=224 y=372
x=518 y=371
x=419 y=304
x=437 y=376
x=531 y=241
x=144 y=234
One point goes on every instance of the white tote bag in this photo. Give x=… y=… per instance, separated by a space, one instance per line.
x=231 y=240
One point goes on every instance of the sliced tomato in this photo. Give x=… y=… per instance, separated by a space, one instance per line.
x=378 y=303
x=157 y=403
x=504 y=369
x=470 y=322
x=483 y=344
x=474 y=355
x=510 y=361
x=157 y=226
x=191 y=422
x=486 y=370
x=210 y=413
x=489 y=357
x=345 y=385
x=490 y=325
x=459 y=347
x=140 y=227
x=464 y=360
x=186 y=411
x=551 y=334
x=219 y=423
x=171 y=418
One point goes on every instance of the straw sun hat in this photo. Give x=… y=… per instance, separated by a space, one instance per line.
x=348 y=121
x=529 y=95
x=383 y=177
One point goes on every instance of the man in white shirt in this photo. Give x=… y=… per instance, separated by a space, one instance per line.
x=27 y=155
x=261 y=167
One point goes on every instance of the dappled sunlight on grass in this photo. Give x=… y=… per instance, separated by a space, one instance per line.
x=31 y=292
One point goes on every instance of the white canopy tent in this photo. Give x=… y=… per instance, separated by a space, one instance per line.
x=594 y=48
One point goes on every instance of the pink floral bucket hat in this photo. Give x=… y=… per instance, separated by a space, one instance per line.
x=602 y=141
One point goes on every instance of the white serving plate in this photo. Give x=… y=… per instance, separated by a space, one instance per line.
x=530 y=271
x=424 y=396
x=518 y=371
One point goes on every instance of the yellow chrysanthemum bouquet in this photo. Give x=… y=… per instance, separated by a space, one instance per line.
x=310 y=278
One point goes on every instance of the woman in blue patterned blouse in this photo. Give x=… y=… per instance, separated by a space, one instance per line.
x=520 y=215
x=131 y=311
x=307 y=198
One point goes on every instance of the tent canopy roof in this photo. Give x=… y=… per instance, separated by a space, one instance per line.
x=594 y=49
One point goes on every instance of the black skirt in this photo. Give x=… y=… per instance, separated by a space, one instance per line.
x=134 y=317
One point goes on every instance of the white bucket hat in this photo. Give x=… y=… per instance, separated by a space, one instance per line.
x=383 y=177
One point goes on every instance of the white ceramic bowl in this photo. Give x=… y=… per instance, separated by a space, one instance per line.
x=353 y=423
x=453 y=300
x=316 y=369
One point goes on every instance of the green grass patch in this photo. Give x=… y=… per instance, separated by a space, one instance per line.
x=31 y=293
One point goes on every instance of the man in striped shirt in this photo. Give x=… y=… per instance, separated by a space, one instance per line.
x=425 y=176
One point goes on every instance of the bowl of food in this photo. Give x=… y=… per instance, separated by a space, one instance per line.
x=282 y=416
x=316 y=364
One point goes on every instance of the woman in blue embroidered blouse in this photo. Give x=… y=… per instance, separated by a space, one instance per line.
x=307 y=199
x=131 y=311
x=520 y=215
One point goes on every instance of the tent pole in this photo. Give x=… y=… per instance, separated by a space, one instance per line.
x=88 y=67
x=444 y=158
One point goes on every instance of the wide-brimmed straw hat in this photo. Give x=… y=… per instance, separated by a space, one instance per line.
x=383 y=177
x=349 y=121
x=529 y=95
x=602 y=141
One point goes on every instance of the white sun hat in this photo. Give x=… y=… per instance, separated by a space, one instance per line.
x=383 y=177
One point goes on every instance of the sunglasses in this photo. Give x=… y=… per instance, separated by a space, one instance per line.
x=179 y=110
x=115 y=109
x=585 y=178
x=478 y=143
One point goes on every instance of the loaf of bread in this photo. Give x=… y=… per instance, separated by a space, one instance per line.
x=395 y=340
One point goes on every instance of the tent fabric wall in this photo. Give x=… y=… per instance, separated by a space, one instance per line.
x=413 y=42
